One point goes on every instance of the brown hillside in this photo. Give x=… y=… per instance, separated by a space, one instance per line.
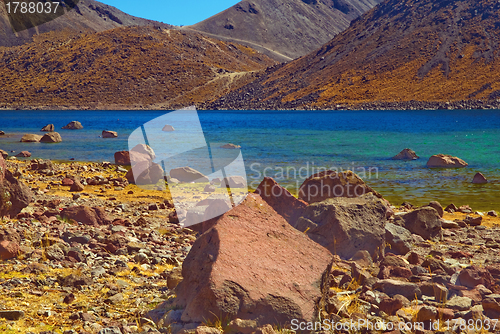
x=122 y=68
x=422 y=50
x=284 y=30
x=88 y=15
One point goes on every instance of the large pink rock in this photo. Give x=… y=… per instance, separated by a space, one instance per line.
x=330 y=184
x=445 y=161
x=253 y=265
x=281 y=200
x=14 y=194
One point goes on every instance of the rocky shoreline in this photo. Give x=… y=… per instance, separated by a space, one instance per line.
x=237 y=102
x=85 y=251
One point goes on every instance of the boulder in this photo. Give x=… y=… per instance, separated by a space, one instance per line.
x=51 y=137
x=2 y=133
x=479 y=179
x=253 y=265
x=4 y=154
x=143 y=149
x=398 y=238
x=30 y=138
x=231 y=146
x=168 y=128
x=88 y=216
x=437 y=206
x=445 y=161
x=109 y=134
x=406 y=154
x=122 y=158
x=281 y=200
x=234 y=182
x=48 y=128
x=74 y=125
x=8 y=249
x=330 y=184
x=491 y=306
x=424 y=222
x=77 y=186
x=188 y=174
x=393 y=287
x=14 y=194
x=23 y=154
x=145 y=173
x=346 y=225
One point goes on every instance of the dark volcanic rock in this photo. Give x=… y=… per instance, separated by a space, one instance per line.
x=253 y=265
x=346 y=225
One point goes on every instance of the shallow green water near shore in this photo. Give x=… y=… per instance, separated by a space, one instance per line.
x=292 y=145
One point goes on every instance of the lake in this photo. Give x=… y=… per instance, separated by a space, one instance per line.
x=291 y=145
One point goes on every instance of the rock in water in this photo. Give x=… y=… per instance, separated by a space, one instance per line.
x=109 y=134
x=51 y=137
x=330 y=184
x=253 y=265
x=2 y=133
x=424 y=222
x=281 y=200
x=30 y=138
x=168 y=128
x=74 y=125
x=14 y=194
x=479 y=179
x=406 y=154
x=347 y=225
x=231 y=146
x=48 y=128
x=445 y=161
x=23 y=154
x=188 y=174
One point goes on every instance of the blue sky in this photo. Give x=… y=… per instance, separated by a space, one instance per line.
x=179 y=12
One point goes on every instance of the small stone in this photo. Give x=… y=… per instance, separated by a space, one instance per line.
x=11 y=314
x=492 y=213
x=70 y=298
x=77 y=186
x=115 y=299
x=459 y=303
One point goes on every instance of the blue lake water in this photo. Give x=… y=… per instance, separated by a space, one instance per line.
x=291 y=145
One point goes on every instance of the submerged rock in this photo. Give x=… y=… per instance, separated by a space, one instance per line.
x=231 y=146
x=445 y=161
x=406 y=154
x=74 y=125
x=479 y=178
x=253 y=265
x=30 y=138
x=23 y=154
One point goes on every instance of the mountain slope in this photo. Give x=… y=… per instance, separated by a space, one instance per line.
x=284 y=29
x=124 y=68
x=88 y=15
x=406 y=50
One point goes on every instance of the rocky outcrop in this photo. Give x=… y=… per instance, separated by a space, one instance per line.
x=252 y=265
x=30 y=138
x=329 y=184
x=14 y=194
x=109 y=134
x=406 y=154
x=74 y=125
x=445 y=161
x=280 y=199
x=424 y=222
x=479 y=178
x=51 y=137
x=48 y=128
x=347 y=225
x=188 y=174
x=95 y=216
